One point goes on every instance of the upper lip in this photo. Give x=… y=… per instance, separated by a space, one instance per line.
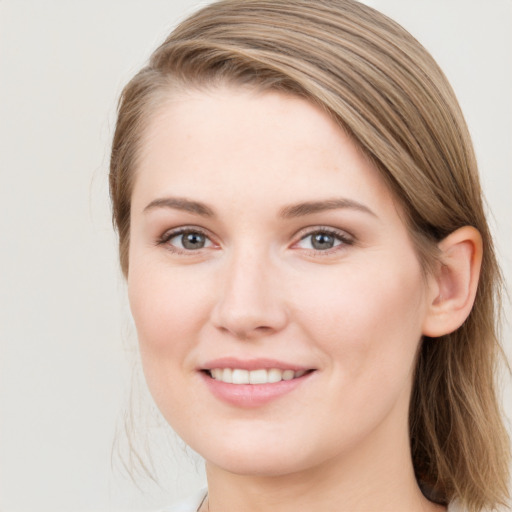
x=251 y=364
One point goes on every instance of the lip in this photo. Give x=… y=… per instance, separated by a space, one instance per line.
x=252 y=395
x=251 y=364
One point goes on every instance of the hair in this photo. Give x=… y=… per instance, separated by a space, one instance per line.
x=386 y=91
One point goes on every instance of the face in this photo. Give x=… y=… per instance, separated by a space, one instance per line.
x=277 y=296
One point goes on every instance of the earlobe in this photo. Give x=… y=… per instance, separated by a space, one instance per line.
x=455 y=283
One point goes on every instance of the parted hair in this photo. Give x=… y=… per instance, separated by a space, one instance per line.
x=386 y=91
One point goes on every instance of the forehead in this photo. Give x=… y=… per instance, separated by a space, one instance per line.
x=249 y=147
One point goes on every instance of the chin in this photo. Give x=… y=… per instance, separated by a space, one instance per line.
x=244 y=464
x=263 y=456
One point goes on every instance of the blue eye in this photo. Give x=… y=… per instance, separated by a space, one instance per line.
x=187 y=240
x=323 y=240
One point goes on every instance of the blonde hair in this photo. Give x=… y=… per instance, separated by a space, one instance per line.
x=389 y=95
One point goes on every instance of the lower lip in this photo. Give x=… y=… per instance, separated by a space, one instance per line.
x=252 y=395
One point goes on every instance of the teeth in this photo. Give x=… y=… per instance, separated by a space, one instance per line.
x=288 y=374
x=258 y=377
x=226 y=375
x=240 y=377
x=263 y=376
x=274 y=375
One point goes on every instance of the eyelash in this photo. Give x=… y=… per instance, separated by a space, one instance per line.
x=169 y=235
x=343 y=237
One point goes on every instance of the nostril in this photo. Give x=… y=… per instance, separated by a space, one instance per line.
x=246 y=334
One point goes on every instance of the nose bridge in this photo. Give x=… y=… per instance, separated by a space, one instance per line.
x=249 y=302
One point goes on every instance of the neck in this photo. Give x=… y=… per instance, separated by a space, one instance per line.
x=298 y=493
x=377 y=476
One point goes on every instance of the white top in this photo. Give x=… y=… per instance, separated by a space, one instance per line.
x=192 y=504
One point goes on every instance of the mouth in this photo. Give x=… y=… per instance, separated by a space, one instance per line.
x=252 y=383
x=256 y=376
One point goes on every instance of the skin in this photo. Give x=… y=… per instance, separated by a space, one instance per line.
x=258 y=288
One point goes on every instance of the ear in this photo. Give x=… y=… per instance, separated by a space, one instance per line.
x=453 y=287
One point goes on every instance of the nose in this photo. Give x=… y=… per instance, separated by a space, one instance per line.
x=249 y=304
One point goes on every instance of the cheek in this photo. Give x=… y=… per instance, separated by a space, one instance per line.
x=168 y=311
x=365 y=316
x=166 y=306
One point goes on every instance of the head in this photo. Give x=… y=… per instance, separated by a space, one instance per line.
x=391 y=101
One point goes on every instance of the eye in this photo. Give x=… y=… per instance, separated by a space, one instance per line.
x=186 y=240
x=323 y=240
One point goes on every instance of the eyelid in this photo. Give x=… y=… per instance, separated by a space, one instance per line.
x=174 y=232
x=345 y=237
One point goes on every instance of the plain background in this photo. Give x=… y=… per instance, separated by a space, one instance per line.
x=67 y=341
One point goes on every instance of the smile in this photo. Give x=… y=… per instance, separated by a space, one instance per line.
x=253 y=383
x=258 y=376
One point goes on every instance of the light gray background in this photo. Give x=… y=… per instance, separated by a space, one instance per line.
x=67 y=342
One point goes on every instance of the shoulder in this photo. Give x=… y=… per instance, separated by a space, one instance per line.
x=190 y=504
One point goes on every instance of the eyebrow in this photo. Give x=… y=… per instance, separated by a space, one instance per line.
x=310 y=207
x=291 y=211
x=180 y=203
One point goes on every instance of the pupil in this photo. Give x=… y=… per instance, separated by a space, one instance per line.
x=193 y=241
x=322 y=241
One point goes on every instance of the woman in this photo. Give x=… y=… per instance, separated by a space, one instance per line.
x=309 y=266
